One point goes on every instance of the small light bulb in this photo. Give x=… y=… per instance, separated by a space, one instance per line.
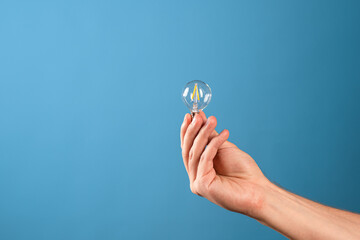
x=196 y=95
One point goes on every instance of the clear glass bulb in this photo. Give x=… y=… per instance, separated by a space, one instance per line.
x=196 y=95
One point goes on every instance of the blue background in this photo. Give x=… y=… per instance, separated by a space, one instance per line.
x=90 y=111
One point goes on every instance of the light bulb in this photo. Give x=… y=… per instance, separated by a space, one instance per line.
x=196 y=95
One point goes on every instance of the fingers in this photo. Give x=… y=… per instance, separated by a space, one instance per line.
x=184 y=126
x=207 y=157
x=190 y=134
x=214 y=133
x=202 y=114
x=199 y=144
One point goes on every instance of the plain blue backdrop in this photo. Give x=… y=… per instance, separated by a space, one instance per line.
x=90 y=111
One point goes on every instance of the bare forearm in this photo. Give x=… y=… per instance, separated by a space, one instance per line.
x=349 y=216
x=300 y=218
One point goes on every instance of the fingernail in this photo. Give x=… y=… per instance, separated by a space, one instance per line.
x=185 y=117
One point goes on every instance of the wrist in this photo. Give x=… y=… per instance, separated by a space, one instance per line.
x=278 y=209
x=260 y=203
x=275 y=201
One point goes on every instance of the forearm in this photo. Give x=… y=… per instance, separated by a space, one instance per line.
x=300 y=218
x=350 y=216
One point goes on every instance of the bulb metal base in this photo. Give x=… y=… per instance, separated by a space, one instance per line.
x=193 y=114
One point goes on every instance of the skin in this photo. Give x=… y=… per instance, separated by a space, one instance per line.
x=219 y=171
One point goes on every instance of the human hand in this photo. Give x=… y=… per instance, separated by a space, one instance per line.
x=218 y=170
x=230 y=178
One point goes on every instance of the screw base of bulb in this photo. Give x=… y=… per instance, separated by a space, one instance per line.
x=193 y=114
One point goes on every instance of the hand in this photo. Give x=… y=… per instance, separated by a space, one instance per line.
x=230 y=178
x=218 y=170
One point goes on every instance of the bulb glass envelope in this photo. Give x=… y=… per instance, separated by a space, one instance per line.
x=196 y=95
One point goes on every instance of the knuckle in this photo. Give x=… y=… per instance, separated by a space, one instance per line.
x=210 y=148
x=217 y=142
x=205 y=131
x=185 y=155
x=191 y=154
x=197 y=184
x=200 y=186
x=192 y=188
x=203 y=157
x=198 y=122
x=196 y=140
x=217 y=139
x=183 y=128
x=193 y=127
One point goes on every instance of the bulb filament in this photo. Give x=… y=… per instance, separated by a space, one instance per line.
x=197 y=98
